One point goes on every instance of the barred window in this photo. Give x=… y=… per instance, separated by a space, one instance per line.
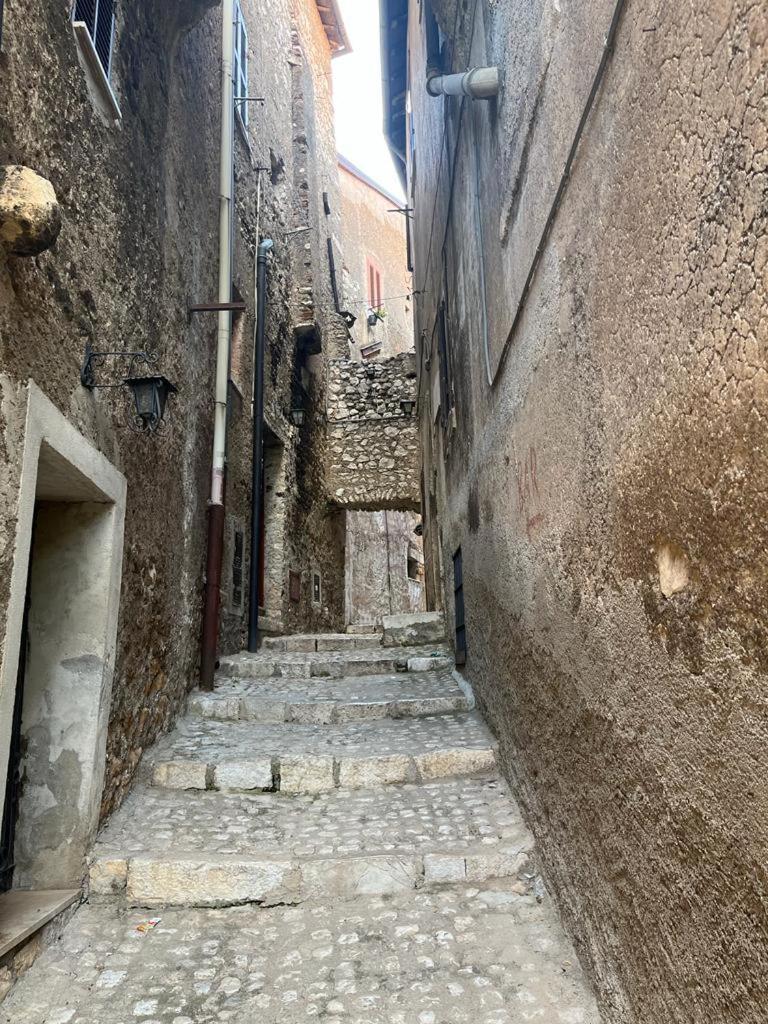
x=98 y=16
x=240 y=69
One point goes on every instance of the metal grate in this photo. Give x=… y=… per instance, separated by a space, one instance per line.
x=99 y=18
x=458 y=601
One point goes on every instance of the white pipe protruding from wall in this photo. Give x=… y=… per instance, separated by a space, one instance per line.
x=224 y=337
x=477 y=83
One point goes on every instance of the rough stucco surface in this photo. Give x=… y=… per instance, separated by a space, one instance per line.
x=138 y=245
x=608 y=491
x=373 y=455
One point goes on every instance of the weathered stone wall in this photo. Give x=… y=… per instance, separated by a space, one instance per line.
x=608 y=488
x=373 y=458
x=138 y=245
x=371 y=231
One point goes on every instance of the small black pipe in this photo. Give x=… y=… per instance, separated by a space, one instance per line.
x=258 y=446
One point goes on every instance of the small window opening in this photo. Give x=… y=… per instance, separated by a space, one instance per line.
x=317 y=591
x=414 y=568
x=374 y=285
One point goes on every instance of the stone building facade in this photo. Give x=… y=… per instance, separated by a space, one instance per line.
x=109 y=188
x=591 y=352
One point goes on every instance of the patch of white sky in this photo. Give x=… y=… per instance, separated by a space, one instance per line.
x=357 y=97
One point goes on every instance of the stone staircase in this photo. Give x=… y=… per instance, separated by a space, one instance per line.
x=323 y=765
x=325 y=836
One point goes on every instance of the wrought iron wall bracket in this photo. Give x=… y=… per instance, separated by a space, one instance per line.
x=92 y=360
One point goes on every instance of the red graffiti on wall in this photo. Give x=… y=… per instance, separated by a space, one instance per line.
x=527 y=480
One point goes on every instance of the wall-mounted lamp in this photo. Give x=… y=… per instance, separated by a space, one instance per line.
x=298 y=416
x=150 y=393
x=407 y=405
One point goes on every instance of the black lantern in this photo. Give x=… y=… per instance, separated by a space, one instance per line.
x=298 y=415
x=407 y=405
x=150 y=395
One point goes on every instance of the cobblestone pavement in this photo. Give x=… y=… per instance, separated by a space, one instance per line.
x=212 y=741
x=324 y=701
x=400 y=819
x=391 y=880
x=490 y=955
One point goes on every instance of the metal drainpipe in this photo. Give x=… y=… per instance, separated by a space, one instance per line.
x=258 y=449
x=218 y=469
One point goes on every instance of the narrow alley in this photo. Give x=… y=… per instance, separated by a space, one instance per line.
x=383 y=504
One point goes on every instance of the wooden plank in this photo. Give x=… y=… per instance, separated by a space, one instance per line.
x=23 y=913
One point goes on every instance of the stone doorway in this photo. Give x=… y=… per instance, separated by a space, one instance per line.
x=70 y=568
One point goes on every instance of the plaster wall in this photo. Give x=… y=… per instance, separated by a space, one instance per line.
x=607 y=488
x=371 y=232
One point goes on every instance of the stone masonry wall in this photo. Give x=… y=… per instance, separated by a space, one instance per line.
x=608 y=487
x=373 y=446
x=138 y=245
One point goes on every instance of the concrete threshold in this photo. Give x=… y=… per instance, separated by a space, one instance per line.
x=22 y=913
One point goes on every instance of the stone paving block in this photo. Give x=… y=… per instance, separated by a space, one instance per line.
x=300 y=644
x=363 y=772
x=439 y=764
x=244 y=775
x=308 y=713
x=210 y=882
x=107 y=875
x=372 y=876
x=180 y=775
x=444 y=867
x=308 y=774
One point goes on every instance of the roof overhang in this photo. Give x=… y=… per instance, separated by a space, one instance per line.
x=394 y=73
x=335 y=30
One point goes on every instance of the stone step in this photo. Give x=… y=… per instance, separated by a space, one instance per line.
x=414 y=628
x=208 y=849
x=326 y=701
x=336 y=664
x=311 y=642
x=203 y=753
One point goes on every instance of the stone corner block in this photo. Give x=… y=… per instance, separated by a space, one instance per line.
x=440 y=764
x=107 y=875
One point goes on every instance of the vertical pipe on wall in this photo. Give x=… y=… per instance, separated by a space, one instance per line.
x=257 y=477
x=224 y=336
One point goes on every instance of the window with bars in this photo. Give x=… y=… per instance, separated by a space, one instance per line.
x=98 y=16
x=240 y=68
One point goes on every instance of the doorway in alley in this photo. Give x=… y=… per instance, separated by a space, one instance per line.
x=58 y=658
x=384 y=566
